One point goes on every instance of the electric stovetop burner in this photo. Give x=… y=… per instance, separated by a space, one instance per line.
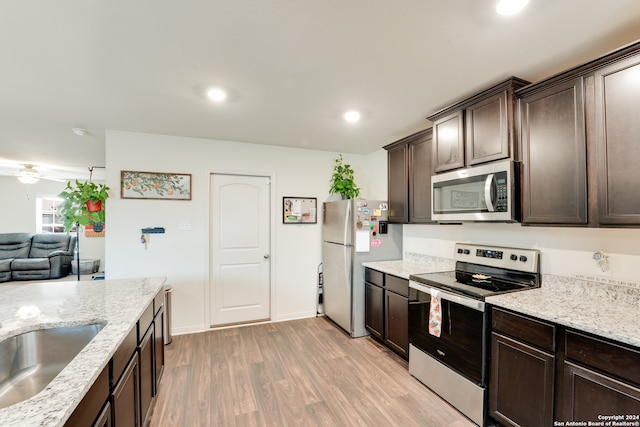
x=482 y=271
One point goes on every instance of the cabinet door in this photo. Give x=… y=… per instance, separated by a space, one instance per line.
x=448 y=142
x=521 y=383
x=588 y=394
x=554 y=173
x=125 y=398
x=398 y=181
x=617 y=110
x=489 y=126
x=396 y=324
x=420 y=171
x=373 y=309
x=158 y=349
x=104 y=419
x=147 y=374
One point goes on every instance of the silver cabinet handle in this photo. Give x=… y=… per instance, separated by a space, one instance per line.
x=266 y=256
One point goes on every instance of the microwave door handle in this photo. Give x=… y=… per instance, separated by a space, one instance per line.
x=488 y=196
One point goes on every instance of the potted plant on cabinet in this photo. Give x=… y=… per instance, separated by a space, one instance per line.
x=342 y=180
x=83 y=204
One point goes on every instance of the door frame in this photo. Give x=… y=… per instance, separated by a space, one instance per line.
x=209 y=244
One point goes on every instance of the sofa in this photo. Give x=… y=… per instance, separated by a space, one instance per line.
x=27 y=256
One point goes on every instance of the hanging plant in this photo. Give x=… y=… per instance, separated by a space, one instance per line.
x=342 y=180
x=83 y=204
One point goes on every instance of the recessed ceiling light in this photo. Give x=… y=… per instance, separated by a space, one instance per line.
x=352 y=116
x=216 y=94
x=510 y=7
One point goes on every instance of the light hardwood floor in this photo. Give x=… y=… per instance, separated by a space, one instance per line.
x=298 y=373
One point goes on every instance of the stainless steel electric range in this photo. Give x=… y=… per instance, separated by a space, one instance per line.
x=449 y=325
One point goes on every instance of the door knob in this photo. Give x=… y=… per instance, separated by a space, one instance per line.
x=266 y=256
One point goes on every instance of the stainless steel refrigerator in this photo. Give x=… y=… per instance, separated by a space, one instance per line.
x=353 y=231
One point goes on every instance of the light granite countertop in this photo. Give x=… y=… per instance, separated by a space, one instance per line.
x=32 y=306
x=412 y=264
x=605 y=309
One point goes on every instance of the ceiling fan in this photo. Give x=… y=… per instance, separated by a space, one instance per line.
x=30 y=175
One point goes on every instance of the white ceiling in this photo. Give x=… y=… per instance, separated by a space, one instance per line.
x=292 y=67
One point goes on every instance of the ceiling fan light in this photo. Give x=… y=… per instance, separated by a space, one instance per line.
x=28 y=179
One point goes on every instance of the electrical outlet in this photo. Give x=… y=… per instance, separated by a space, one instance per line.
x=184 y=225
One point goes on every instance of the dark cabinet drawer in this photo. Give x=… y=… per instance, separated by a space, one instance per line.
x=122 y=355
x=531 y=331
x=397 y=285
x=607 y=357
x=145 y=321
x=158 y=301
x=374 y=277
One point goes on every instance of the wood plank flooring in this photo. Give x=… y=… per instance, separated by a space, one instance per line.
x=304 y=372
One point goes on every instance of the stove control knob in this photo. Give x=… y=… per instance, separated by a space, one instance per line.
x=514 y=257
x=459 y=250
x=523 y=258
x=467 y=252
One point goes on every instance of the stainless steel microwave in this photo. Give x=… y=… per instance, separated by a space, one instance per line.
x=487 y=192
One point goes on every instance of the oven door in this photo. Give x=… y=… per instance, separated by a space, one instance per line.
x=462 y=342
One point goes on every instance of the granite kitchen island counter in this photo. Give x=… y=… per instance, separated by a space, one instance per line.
x=32 y=306
x=604 y=309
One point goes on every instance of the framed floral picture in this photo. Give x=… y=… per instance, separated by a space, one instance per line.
x=155 y=185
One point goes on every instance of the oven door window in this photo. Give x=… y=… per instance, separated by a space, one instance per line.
x=461 y=342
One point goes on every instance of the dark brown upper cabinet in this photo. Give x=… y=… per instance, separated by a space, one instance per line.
x=448 y=131
x=478 y=129
x=617 y=118
x=554 y=157
x=397 y=182
x=578 y=132
x=420 y=171
x=410 y=167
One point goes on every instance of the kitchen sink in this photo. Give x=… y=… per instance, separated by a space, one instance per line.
x=30 y=361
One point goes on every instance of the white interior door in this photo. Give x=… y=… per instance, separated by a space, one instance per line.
x=240 y=218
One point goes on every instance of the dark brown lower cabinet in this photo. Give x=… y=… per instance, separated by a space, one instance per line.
x=124 y=393
x=374 y=310
x=521 y=384
x=147 y=375
x=387 y=310
x=125 y=397
x=396 y=326
x=589 y=394
x=543 y=373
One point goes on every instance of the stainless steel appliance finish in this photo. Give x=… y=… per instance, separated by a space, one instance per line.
x=353 y=231
x=482 y=193
x=454 y=365
x=29 y=361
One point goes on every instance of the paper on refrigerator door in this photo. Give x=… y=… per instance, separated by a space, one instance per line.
x=362 y=241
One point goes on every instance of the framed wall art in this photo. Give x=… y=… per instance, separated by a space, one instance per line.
x=299 y=210
x=155 y=185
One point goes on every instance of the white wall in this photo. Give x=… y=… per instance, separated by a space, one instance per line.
x=182 y=256
x=565 y=251
x=19 y=211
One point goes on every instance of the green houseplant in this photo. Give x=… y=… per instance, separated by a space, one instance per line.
x=83 y=204
x=342 y=180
